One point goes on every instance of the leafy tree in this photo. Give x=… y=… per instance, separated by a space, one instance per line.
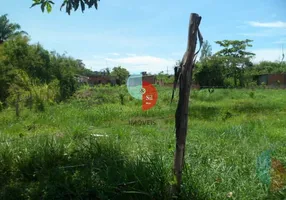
x=266 y=67
x=236 y=57
x=64 y=68
x=39 y=63
x=104 y=72
x=206 y=51
x=8 y=29
x=13 y=56
x=6 y=78
x=121 y=74
x=31 y=69
x=210 y=72
x=41 y=66
x=107 y=70
x=80 y=63
x=68 y=4
x=16 y=52
x=68 y=86
x=33 y=59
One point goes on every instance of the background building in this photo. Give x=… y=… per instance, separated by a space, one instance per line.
x=272 y=80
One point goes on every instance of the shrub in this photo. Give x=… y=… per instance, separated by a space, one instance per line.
x=68 y=87
x=228 y=82
x=121 y=96
x=39 y=105
x=252 y=84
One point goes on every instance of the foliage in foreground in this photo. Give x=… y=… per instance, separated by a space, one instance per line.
x=86 y=148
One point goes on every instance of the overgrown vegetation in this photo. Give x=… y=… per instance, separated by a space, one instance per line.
x=86 y=148
x=31 y=71
x=232 y=66
x=77 y=143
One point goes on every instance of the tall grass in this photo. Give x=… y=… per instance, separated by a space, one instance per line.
x=86 y=148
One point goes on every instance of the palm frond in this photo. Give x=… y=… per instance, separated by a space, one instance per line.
x=8 y=30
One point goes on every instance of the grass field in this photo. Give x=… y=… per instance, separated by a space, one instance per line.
x=87 y=149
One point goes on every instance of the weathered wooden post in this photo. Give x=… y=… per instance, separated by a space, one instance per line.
x=184 y=76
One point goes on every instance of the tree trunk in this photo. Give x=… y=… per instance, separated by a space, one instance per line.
x=235 y=77
x=185 y=82
x=242 y=76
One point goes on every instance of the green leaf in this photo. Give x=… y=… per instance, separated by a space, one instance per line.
x=174 y=181
x=76 y=5
x=49 y=7
x=95 y=4
x=82 y=5
x=68 y=7
x=90 y=3
x=34 y=4
x=43 y=6
x=63 y=4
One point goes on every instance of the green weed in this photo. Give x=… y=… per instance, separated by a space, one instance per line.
x=85 y=148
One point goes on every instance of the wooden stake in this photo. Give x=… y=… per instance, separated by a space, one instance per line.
x=185 y=82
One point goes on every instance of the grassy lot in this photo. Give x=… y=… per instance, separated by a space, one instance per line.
x=87 y=149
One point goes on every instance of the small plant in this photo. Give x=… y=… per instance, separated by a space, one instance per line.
x=29 y=102
x=253 y=85
x=121 y=96
x=211 y=90
x=263 y=85
x=226 y=115
x=108 y=85
x=39 y=105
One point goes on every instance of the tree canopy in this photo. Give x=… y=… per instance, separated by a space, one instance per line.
x=120 y=73
x=25 y=67
x=206 y=51
x=69 y=5
x=235 y=57
x=8 y=29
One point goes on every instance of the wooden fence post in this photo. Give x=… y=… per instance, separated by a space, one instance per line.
x=185 y=81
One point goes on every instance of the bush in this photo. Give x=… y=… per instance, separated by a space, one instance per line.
x=263 y=85
x=68 y=86
x=228 y=82
x=252 y=84
x=39 y=105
